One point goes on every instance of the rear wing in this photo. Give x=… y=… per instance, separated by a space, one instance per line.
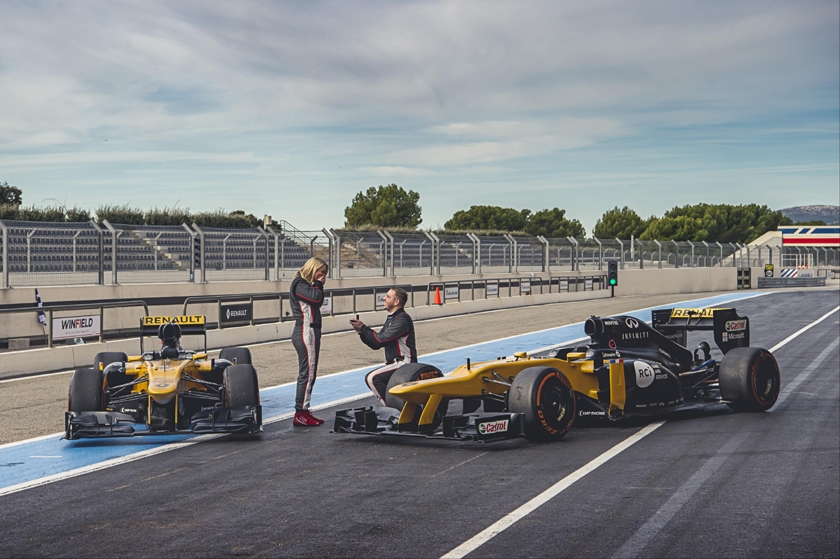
x=191 y=325
x=730 y=330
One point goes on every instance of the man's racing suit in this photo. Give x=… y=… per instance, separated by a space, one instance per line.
x=397 y=337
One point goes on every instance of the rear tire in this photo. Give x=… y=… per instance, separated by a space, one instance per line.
x=547 y=399
x=411 y=372
x=85 y=393
x=236 y=355
x=749 y=379
x=241 y=386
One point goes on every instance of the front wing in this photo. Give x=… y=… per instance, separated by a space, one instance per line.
x=479 y=427
x=98 y=424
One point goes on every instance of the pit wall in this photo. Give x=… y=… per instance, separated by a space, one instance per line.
x=65 y=357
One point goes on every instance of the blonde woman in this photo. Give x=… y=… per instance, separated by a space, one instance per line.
x=306 y=295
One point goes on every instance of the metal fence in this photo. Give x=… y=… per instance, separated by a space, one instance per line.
x=41 y=254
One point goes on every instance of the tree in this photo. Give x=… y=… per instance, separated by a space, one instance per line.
x=10 y=195
x=385 y=206
x=479 y=218
x=722 y=223
x=553 y=223
x=620 y=224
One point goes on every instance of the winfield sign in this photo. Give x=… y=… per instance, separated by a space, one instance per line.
x=76 y=327
x=240 y=312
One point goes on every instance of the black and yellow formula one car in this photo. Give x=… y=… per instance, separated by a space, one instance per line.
x=629 y=368
x=168 y=391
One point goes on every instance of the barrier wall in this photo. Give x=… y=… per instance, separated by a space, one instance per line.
x=22 y=362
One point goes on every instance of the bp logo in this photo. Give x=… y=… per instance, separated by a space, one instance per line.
x=493 y=427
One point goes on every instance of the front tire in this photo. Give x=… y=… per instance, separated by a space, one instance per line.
x=236 y=355
x=105 y=358
x=241 y=386
x=749 y=379
x=85 y=393
x=547 y=400
x=412 y=372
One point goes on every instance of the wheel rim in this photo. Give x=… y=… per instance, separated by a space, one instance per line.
x=765 y=382
x=556 y=404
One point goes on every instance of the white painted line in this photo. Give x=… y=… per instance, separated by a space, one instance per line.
x=637 y=542
x=512 y=518
x=798 y=332
x=803 y=376
x=32 y=440
x=45 y=457
x=42 y=375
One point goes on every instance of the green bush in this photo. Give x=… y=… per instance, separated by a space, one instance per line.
x=123 y=215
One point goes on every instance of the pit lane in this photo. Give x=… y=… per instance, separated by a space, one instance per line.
x=309 y=493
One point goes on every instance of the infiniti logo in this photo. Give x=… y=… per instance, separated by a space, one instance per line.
x=227 y=313
x=631 y=322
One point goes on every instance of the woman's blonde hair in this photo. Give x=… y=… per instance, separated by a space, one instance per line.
x=308 y=270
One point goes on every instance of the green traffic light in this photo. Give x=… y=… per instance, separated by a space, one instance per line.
x=612 y=281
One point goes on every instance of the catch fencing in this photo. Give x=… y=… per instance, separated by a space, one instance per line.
x=43 y=254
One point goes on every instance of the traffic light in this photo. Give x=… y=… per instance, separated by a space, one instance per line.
x=612 y=273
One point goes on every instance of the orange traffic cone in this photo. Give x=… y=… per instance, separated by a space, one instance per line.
x=437 y=296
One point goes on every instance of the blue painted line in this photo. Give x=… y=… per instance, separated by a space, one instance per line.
x=27 y=461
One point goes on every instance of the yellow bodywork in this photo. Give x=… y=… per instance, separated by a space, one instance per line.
x=163 y=377
x=494 y=377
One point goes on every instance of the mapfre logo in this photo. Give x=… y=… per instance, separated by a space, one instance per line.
x=631 y=323
x=493 y=427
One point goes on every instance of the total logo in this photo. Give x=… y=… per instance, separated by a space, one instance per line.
x=644 y=374
x=631 y=323
x=735 y=325
x=493 y=427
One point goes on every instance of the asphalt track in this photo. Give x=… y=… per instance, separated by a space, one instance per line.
x=719 y=484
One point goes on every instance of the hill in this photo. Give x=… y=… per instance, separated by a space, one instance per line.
x=829 y=214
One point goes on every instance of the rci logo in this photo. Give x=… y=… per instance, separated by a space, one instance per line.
x=631 y=323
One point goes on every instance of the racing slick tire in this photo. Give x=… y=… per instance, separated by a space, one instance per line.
x=749 y=379
x=411 y=372
x=105 y=358
x=236 y=355
x=241 y=386
x=547 y=400
x=85 y=393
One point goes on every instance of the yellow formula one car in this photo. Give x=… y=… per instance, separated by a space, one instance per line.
x=628 y=369
x=168 y=391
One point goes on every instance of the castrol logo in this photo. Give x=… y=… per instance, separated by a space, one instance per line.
x=493 y=427
x=735 y=325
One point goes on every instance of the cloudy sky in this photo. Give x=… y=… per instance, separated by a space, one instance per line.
x=291 y=108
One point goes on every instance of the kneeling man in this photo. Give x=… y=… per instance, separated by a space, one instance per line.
x=396 y=336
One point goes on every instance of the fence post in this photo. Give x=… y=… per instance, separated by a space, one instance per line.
x=573 y=254
x=546 y=267
x=5 y=230
x=383 y=252
x=621 y=260
x=514 y=254
x=432 y=253
x=391 y=248
x=199 y=262
x=692 y=253
x=660 y=252
x=337 y=253
x=113 y=250
x=600 y=254
x=330 y=258
x=276 y=236
x=264 y=233
x=476 y=253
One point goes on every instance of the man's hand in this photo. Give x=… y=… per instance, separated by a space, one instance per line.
x=356 y=324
